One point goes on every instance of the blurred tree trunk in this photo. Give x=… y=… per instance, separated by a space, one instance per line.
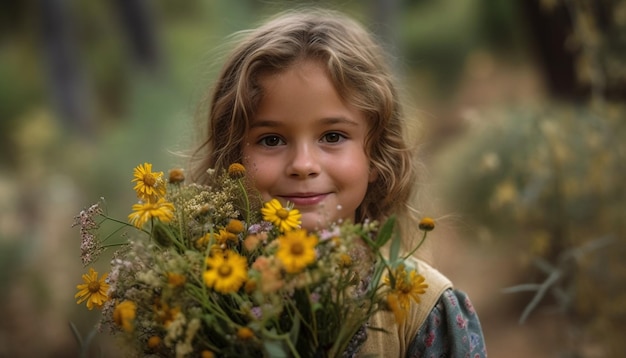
x=70 y=92
x=548 y=32
x=580 y=45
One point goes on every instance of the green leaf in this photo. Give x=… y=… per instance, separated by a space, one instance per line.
x=394 y=251
x=385 y=232
x=316 y=306
x=295 y=329
x=274 y=348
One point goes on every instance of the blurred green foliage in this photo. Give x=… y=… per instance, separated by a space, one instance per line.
x=549 y=179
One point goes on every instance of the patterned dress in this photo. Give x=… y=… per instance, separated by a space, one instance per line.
x=452 y=329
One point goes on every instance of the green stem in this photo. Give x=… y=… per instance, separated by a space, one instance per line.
x=247 y=200
x=293 y=349
x=114 y=245
x=313 y=316
x=416 y=247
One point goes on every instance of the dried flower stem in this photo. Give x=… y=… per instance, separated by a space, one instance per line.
x=417 y=246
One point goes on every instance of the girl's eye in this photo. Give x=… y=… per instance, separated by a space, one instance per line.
x=333 y=137
x=271 y=141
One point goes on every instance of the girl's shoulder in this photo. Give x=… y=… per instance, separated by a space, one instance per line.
x=452 y=329
x=396 y=338
x=437 y=283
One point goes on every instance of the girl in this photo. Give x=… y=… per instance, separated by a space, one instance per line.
x=307 y=103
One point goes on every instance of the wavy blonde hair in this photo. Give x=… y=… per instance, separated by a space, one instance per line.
x=358 y=69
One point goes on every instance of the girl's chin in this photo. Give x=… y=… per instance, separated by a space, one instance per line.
x=312 y=222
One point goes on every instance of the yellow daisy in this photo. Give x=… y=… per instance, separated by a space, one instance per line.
x=296 y=250
x=93 y=290
x=407 y=286
x=284 y=218
x=149 y=185
x=142 y=212
x=124 y=314
x=226 y=272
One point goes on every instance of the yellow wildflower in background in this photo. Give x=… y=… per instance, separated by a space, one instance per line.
x=284 y=218
x=124 y=314
x=226 y=272
x=148 y=185
x=296 y=250
x=93 y=290
x=142 y=212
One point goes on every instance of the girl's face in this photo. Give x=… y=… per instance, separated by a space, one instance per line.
x=306 y=146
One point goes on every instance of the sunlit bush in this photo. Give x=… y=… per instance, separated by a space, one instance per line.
x=551 y=180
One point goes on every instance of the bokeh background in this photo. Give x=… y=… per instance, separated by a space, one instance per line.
x=520 y=105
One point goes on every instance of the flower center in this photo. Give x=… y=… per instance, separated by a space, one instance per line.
x=224 y=270
x=297 y=249
x=149 y=179
x=282 y=213
x=94 y=286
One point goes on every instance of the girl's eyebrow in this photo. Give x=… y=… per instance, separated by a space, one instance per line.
x=264 y=123
x=326 y=121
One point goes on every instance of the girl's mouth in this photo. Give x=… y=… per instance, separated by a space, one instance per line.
x=304 y=199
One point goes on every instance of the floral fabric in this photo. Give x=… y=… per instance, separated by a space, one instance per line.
x=452 y=329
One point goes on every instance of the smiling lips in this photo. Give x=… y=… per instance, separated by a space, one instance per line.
x=304 y=199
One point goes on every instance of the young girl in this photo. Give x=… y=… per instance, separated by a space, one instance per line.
x=307 y=103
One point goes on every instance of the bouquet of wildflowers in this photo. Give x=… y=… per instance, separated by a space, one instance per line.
x=210 y=270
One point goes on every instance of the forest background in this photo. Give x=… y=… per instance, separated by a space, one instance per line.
x=518 y=105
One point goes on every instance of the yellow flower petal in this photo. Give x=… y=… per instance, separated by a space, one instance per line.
x=226 y=272
x=143 y=212
x=149 y=185
x=285 y=219
x=93 y=290
x=296 y=250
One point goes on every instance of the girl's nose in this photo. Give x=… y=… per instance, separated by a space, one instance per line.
x=304 y=162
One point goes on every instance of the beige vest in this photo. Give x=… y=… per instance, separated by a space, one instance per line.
x=395 y=342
